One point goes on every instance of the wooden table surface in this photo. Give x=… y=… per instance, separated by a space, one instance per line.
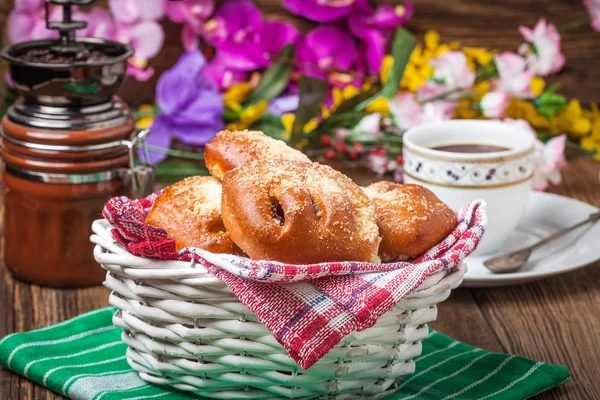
x=555 y=320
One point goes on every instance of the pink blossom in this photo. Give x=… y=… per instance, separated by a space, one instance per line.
x=494 y=104
x=513 y=76
x=542 y=50
x=593 y=7
x=548 y=158
x=452 y=70
x=408 y=113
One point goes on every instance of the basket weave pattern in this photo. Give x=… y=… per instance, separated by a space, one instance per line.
x=185 y=328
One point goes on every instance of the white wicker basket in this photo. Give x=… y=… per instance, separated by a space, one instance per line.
x=185 y=328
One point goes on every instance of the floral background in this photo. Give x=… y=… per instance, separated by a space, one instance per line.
x=348 y=45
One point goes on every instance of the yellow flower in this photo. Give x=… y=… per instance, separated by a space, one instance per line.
x=537 y=85
x=592 y=142
x=146 y=118
x=572 y=121
x=432 y=40
x=479 y=54
x=249 y=116
x=236 y=95
x=386 y=65
x=288 y=120
x=144 y=122
x=522 y=109
x=379 y=105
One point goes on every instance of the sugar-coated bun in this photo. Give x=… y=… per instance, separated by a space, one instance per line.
x=411 y=219
x=230 y=149
x=190 y=212
x=298 y=212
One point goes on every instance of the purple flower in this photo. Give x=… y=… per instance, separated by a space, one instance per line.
x=375 y=27
x=326 y=48
x=284 y=104
x=191 y=108
x=319 y=10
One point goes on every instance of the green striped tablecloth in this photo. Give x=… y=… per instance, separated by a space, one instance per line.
x=84 y=358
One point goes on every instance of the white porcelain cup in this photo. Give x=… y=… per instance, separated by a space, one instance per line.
x=502 y=178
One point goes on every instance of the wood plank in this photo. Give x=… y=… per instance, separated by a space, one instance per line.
x=555 y=320
x=461 y=318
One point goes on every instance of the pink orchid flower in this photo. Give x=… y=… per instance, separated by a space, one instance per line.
x=27 y=21
x=549 y=158
x=374 y=27
x=513 y=76
x=408 y=113
x=319 y=10
x=326 y=48
x=542 y=50
x=192 y=14
x=593 y=7
x=130 y=11
x=494 y=104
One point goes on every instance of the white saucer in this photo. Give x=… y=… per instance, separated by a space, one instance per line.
x=545 y=214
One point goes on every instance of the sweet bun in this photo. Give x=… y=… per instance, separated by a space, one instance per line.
x=230 y=149
x=190 y=212
x=299 y=213
x=411 y=219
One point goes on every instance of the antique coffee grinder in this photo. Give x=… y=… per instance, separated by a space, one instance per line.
x=67 y=144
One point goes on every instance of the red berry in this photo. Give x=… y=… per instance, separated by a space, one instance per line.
x=330 y=154
x=325 y=140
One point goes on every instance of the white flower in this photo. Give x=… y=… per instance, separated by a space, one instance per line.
x=370 y=124
x=513 y=76
x=408 y=113
x=452 y=70
x=494 y=104
x=548 y=158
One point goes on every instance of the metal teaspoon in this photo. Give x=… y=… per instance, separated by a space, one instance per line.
x=513 y=261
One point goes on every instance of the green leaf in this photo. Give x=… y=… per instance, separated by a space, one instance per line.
x=230 y=115
x=402 y=47
x=85 y=87
x=8 y=99
x=270 y=125
x=175 y=170
x=312 y=92
x=351 y=103
x=276 y=78
x=550 y=103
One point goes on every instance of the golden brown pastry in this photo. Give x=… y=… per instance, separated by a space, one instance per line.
x=230 y=149
x=298 y=212
x=411 y=219
x=190 y=212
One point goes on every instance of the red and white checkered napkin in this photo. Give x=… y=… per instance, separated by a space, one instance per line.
x=308 y=308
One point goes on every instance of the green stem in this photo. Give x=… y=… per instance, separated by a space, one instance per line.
x=442 y=96
x=575 y=24
x=176 y=153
